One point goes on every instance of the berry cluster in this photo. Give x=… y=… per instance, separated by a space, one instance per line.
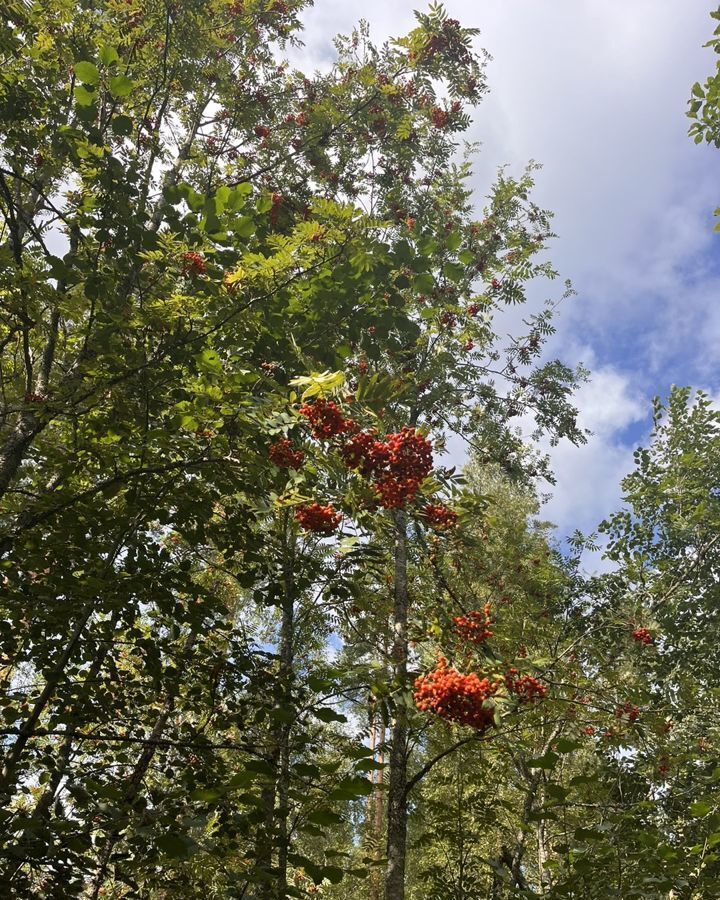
x=409 y=463
x=438 y=516
x=283 y=456
x=475 y=626
x=628 y=710
x=461 y=699
x=193 y=263
x=326 y=418
x=524 y=687
x=439 y=117
x=317 y=518
x=642 y=636
x=365 y=453
x=399 y=463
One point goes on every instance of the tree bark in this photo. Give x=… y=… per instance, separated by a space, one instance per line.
x=397 y=794
x=287 y=657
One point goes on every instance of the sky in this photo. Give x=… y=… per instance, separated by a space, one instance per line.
x=596 y=91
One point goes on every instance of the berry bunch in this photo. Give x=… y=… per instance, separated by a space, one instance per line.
x=365 y=453
x=461 y=699
x=399 y=463
x=642 y=636
x=525 y=687
x=438 y=516
x=326 y=418
x=317 y=518
x=193 y=263
x=439 y=117
x=409 y=463
x=628 y=710
x=475 y=626
x=283 y=456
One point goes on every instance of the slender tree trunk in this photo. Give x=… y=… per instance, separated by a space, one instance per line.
x=283 y=781
x=375 y=800
x=276 y=798
x=397 y=794
x=541 y=853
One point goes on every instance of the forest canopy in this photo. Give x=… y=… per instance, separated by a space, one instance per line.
x=260 y=636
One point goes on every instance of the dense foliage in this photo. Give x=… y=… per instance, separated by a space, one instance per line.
x=258 y=639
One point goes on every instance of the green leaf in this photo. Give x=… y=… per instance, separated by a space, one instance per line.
x=108 y=56
x=424 y=284
x=566 y=746
x=453 y=272
x=122 y=125
x=547 y=761
x=701 y=808
x=454 y=239
x=324 y=817
x=176 y=846
x=328 y=715
x=86 y=72
x=83 y=97
x=120 y=86
x=333 y=874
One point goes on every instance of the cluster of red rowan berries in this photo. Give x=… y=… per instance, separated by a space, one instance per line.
x=326 y=418
x=589 y=730
x=317 y=518
x=439 y=516
x=409 y=462
x=461 y=699
x=282 y=455
x=475 y=626
x=399 y=463
x=642 y=636
x=193 y=263
x=473 y=309
x=439 y=117
x=628 y=710
x=525 y=687
x=364 y=452
x=276 y=201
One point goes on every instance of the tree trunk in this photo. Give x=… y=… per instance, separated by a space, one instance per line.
x=397 y=794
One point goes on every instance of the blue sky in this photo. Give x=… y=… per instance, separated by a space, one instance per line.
x=596 y=91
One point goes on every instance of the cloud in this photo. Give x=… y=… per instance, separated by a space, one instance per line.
x=589 y=476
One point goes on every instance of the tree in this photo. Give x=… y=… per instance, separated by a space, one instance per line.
x=704 y=102
x=193 y=237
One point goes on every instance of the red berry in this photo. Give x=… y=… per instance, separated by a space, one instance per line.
x=193 y=263
x=318 y=519
x=438 y=516
x=282 y=455
x=457 y=698
x=474 y=628
x=326 y=419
